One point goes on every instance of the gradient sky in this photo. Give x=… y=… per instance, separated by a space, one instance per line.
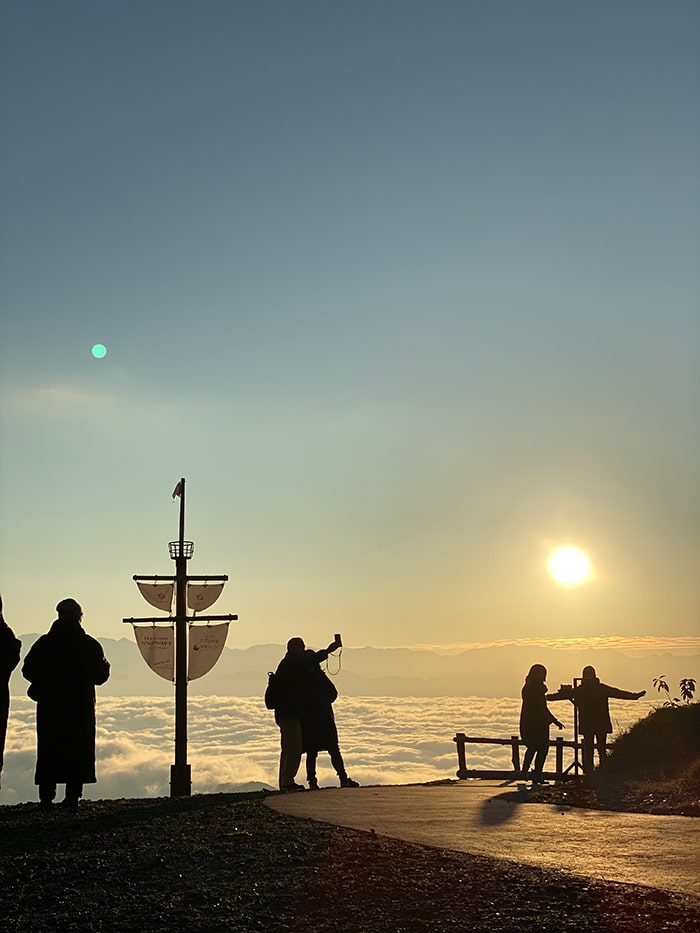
x=407 y=291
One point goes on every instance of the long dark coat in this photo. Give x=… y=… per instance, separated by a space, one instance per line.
x=290 y=677
x=318 y=729
x=535 y=717
x=64 y=666
x=9 y=659
x=591 y=698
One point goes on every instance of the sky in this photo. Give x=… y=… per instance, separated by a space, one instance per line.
x=408 y=292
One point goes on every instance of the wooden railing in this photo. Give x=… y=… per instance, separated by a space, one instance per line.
x=560 y=773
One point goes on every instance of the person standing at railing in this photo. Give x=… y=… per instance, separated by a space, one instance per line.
x=591 y=697
x=535 y=720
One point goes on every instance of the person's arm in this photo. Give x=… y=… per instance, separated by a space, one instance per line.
x=322 y=655
x=10 y=648
x=34 y=669
x=616 y=694
x=101 y=670
x=31 y=667
x=565 y=692
x=16 y=654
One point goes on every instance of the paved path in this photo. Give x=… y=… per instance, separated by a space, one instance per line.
x=658 y=851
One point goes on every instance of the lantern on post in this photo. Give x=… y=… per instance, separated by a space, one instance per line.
x=175 y=653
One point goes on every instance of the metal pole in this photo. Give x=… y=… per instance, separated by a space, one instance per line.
x=576 y=681
x=180 y=773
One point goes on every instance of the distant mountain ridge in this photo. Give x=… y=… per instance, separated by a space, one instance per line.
x=496 y=671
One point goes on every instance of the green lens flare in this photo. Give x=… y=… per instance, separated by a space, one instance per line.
x=99 y=350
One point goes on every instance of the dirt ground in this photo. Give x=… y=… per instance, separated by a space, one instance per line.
x=209 y=864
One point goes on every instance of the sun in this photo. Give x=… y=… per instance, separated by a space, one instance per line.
x=569 y=565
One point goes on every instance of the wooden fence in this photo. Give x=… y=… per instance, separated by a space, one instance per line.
x=560 y=773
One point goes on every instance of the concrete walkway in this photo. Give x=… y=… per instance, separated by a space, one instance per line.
x=657 y=851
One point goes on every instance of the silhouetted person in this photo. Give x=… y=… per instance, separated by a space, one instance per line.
x=289 y=706
x=591 y=700
x=535 y=719
x=9 y=659
x=318 y=729
x=64 y=666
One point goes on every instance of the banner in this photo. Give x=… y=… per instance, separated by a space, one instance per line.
x=206 y=644
x=159 y=595
x=202 y=597
x=157 y=646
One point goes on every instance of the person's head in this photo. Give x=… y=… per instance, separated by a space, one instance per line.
x=588 y=673
x=537 y=673
x=296 y=645
x=69 y=609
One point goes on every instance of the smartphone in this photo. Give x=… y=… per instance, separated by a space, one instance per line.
x=339 y=641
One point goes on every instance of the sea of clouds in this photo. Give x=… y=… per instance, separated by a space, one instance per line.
x=234 y=742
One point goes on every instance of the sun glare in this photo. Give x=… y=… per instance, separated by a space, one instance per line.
x=569 y=566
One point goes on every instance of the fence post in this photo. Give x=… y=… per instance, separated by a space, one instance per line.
x=559 y=757
x=515 y=742
x=461 y=755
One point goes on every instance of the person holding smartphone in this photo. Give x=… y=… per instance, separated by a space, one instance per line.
x=289 y=697
x=318 y=728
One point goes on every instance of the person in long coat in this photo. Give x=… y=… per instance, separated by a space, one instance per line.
x=10 y=647
x=318 y=728
x=591 y=697
x=288 y=704
x=63 y=668
x=535 y=720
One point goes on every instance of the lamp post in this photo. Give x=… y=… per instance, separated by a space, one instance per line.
x=181 y=551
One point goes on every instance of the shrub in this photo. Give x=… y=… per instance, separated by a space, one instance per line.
x=662 y=745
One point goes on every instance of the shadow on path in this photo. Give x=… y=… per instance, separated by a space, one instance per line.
x=472 y=817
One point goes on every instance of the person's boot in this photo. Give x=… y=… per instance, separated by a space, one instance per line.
x=74 y=791
x=348 y=782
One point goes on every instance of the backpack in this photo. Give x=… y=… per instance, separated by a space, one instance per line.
x=326 y=687
x=271 y=691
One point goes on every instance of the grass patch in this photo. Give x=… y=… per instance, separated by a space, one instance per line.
x=654 y=767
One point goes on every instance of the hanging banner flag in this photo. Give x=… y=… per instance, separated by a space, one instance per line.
x=206 y=644
x=159 y=595
x=157 y=646
x=202 y=597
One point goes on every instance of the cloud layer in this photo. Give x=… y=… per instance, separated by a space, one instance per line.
x=233 y=741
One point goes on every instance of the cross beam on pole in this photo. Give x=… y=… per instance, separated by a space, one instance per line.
x=170 y=619
x=161 y=576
